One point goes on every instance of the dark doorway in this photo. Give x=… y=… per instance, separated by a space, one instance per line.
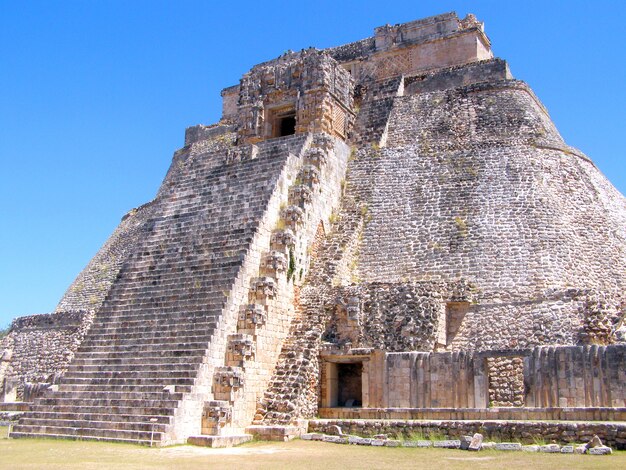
x=349 y=384
x=287 y=126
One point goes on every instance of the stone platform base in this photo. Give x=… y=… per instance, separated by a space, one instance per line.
x=219 y=441
x=460 y=414
x=612 y=434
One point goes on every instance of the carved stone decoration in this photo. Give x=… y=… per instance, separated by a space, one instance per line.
x=273 y=263
x=227 y=381
x=230 y=377
x=300 y=195
x=309 y=84
x=293 y=216
x=470 y=21
x=353 y=308
x=263 y=288
x=240 y=347
x=252 y=316
x=348 y=320
x=324 y=143
x=316 y=157
x=282 y=240
x=309 y=175
x=217 y=413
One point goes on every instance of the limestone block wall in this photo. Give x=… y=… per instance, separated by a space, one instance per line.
x=528 y=431
x=427 y=380
x=435 y=42
x=453 y=77
x=230 y=97
x=39 y=348
x=544 y=377
x=506 y=381
x=475 y=183
x=576 y=376
x=390 y=316
x=340 y=322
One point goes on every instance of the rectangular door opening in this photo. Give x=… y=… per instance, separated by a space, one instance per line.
x=349 y=385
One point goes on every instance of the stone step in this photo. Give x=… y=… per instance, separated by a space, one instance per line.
x=79 y=416
x=122 y=387
x=147 y=327
x=142 y=403
x=36 y=435
x=122 y=341
x=82 y=433
x=173 y=335
x=96 y=372
x=128 y=356
x=136 y=367
x=121 y=317
x=69 y=407
x=114 y=395
x=77 y=423
x=126 y=310
x=219 y=441
x=123 y=382
x=141 y=346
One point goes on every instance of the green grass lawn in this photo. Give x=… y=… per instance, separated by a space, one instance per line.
x=59 y=454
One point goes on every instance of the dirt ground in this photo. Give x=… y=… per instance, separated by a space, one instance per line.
x=60 y=454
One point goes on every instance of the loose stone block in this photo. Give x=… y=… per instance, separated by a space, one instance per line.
x=550 y=448
x=567 y=450
x=335 y=439
x=600 y=450
x=476 y=442
x=582 y=449
x=509 y=446
x=409 y=444
x=448 y=444
x=392 y=443
x=530 y=448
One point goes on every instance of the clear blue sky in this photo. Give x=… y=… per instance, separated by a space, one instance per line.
x=95 y=97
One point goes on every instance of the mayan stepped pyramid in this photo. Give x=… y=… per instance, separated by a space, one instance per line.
x=392 y=228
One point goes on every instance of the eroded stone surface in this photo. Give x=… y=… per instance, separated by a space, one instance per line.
x=397 y=204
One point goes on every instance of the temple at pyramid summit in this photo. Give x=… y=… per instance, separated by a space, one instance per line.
x=385 y=235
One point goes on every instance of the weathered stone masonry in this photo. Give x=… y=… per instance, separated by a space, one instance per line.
x=392 y=228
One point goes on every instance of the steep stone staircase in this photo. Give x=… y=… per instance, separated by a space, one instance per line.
x=237 y=384
x=142 y=356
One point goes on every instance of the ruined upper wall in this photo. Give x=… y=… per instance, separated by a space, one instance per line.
x=403 y=49
x=39 y=349
x=308 y=87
